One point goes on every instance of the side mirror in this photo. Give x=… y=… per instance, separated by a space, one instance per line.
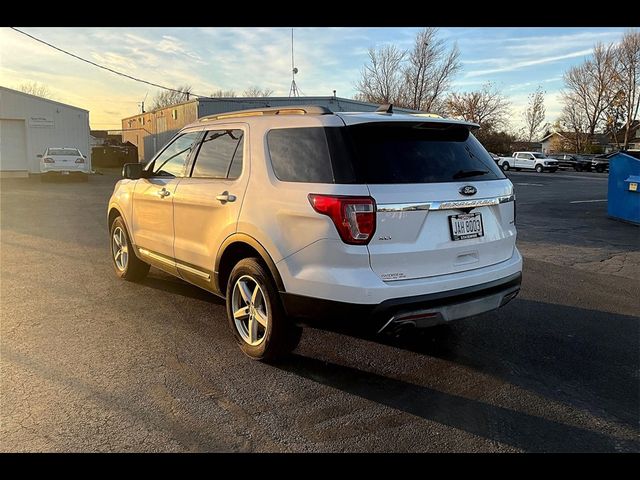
x=133 y=171
x=39 y=155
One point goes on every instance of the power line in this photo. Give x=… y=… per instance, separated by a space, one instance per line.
x=117 y=72
x=98 y=65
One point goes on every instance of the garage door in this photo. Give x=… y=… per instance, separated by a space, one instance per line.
x=13 y=147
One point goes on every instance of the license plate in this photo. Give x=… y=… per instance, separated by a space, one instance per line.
x=64 y=173
x=466 y=226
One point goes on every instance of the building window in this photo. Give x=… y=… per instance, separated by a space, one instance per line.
x=141 y=120
x=174 y=114
x=130 y=123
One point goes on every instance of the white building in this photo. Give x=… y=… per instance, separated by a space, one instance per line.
x=30 y=124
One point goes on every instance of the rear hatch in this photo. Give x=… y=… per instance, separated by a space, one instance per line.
x=443 y=206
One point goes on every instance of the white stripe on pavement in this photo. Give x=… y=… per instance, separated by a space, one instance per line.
x=532 y=184
x=588 y=201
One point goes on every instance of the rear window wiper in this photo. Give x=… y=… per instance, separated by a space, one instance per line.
x=469 y=173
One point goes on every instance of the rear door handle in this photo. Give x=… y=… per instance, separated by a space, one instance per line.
x=164 y=192
x=225 y=197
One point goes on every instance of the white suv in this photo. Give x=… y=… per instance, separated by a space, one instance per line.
x=300 y=214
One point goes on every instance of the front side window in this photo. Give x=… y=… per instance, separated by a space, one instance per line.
x=220 y=155
x=171 y=162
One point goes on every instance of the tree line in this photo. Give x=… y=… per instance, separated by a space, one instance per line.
x=601 y=94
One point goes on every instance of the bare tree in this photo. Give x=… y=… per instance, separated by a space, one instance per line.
x=223 y=94
x=166 y=98
x=588 y=86
x=37 y=89
x=381 y=78
x=429 y=71
x=534 y=114
x=487 y=107
x=573 y=119
x=256 y=91
x=627 y=67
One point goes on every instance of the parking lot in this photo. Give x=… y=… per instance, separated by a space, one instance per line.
x=92 y=363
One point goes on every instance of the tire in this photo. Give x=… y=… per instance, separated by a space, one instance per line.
x=505 y=166
x=539 y=168
x=599 y=169
x=274 y=338
x=577 y=168
x=128 y=267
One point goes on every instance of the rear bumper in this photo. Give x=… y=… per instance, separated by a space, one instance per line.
x=59 y=173
x=420 y=311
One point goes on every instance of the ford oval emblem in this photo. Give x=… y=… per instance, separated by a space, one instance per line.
x=468 y=190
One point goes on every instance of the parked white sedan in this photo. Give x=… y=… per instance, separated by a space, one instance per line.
x=60 y=161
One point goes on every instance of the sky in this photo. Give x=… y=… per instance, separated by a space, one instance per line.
x=516 y=60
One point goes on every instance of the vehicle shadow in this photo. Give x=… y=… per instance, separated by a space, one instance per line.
x=166 y=283
x=584 y=358
x=521 y=430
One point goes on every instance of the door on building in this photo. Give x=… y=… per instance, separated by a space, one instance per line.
x=13 y=146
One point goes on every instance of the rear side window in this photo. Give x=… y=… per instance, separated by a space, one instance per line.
x=419 y=153
x=300 y=155
x=220 y=155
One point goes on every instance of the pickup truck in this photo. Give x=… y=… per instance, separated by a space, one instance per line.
x=529 y=160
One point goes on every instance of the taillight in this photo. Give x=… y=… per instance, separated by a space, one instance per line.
x=79 y=160
x=48 y=160
x=354 y=217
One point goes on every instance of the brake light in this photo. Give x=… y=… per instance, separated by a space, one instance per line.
x=48 y=160
x=79 y=160
x=354 y=217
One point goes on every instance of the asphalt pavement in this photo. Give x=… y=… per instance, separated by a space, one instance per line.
x=92 y=363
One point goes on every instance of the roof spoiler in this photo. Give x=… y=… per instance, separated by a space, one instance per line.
x=385 y=108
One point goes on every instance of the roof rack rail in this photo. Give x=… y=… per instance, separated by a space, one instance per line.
x=284 y=110
x=428 y=115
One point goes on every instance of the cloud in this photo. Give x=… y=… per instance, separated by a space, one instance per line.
x=508 y=66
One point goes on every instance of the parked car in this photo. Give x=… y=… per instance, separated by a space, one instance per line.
x=529 y=160
x=61 y=161
x=298 y=214
x=600 y=163
x=572 y=160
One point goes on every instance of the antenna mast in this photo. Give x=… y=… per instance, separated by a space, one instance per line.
x=293 y=91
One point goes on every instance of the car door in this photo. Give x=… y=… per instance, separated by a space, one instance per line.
x=518 y=162
x=152 y=216
x=207 y=201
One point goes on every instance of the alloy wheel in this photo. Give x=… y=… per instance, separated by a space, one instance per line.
x=250 y=310
x=119 y=248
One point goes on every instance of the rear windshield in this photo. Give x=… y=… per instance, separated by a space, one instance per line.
x=63 y=151
x=380 y=153
x=420 y=153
